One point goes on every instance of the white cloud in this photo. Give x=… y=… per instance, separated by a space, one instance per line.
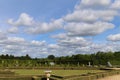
x=53 y=46
x=86 y=29
x=69 y=47
x=89 y=18
x=93 y=3
x=45 y=27
x=65 y=46
x=19 y=46
x=73 y=42
x=107 y=15
x=89 y=15
x=13 y=41
x=116 y=4
x=33 y=27
x=95 y=47
x=38 y=43
x=96 y=2
x=16 y=39
x=13 y=30
x=23 y=20
x=115 y=37
x=60 y=36
x=81 y=16
x=2 y=35
x=105 y=47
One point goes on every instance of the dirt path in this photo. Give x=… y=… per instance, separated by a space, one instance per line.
x=115 y=77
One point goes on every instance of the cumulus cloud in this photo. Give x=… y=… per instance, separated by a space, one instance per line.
x=60 y=36
x=65 y=46
x=90 y=15
x=114 y=38
x=23 y=20
x=33 y=27
x=44 y=27
x=19 y=46
x=81 y=15
x=12 y=41
x=96 y=2
x=38 y=43
x=93 y=3
x=89 y=18
x=105 y=47
x=85 y=20
x=16 y=39
x=115 y=4
x=63 y=49
x=66 y=40
x=86 y=29
x=53 y=46
x=13 y=30
x=87 y=15
x=74 y=42
x=2 y=35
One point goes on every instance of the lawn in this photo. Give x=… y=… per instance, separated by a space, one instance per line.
x=56 y=72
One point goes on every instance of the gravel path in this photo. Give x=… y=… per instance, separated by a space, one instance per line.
x=115 y=77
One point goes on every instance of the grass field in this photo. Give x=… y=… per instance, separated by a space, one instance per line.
x=56 y=72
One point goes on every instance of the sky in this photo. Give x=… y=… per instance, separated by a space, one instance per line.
x=59 y=27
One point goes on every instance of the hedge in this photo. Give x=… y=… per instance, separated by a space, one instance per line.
x=93 y=76
x=16 y=78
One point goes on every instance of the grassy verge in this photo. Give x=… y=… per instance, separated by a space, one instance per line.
x=56 y=72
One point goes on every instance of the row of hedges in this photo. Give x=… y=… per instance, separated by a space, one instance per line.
x=89 y=76
x=55 y=68
x=6 y=73
x=16 y=78
x=10 y=75
x=22 y=78
x=92 y=76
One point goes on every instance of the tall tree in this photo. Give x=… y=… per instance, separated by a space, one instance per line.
x=51 y=57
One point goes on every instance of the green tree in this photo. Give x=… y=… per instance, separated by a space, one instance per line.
x=51 y=57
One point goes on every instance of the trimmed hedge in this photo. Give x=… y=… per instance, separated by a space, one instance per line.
x=16 y=78
x=8 y=75
x=6 y=72
x=93 y=76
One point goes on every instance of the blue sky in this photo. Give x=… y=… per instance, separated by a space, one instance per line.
x=59 y=27
x=37 y=8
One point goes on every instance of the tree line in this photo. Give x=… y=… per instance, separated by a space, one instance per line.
x=99 y=58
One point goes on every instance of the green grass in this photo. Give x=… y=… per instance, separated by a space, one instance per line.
x=74 y=72
x=56 y=72
x=29 y=72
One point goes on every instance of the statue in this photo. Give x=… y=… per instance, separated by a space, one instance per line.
x=109 y=64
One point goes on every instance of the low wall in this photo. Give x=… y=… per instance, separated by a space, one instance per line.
x=89 y=76
x=93 y=76
x=16 y=78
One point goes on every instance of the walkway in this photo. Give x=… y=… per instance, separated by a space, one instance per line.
x=115 y=77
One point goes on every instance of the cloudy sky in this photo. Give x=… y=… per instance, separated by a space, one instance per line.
x=59 y=27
